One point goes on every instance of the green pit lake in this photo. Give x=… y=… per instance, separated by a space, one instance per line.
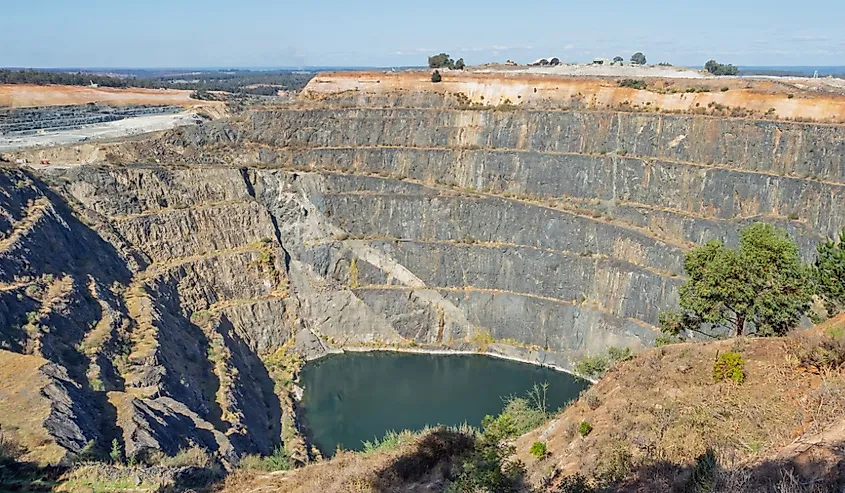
x=353 y=397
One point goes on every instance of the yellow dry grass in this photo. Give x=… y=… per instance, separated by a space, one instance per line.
x=23 y=408
x=664 y=405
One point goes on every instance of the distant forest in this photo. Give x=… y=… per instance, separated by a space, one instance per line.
x=234 y=81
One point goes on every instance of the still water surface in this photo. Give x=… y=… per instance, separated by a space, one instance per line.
x=353 y=397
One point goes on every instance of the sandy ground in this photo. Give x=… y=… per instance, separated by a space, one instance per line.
x=763 y=98
x=110 y=130
x=22 y=95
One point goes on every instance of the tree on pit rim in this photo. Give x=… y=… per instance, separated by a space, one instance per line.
x=638 y=58
x=762 y=283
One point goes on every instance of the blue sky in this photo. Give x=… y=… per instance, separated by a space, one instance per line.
x=265 y=33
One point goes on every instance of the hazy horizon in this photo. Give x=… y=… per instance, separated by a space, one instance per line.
x=332 y=33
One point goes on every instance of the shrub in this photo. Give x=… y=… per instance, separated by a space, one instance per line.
x=585 y=428
x=595 y=366
x=729 y=366
x=116 y=454
x=575 y=484
x=790 y=96
x=633 y=83
x=615 y=465
x=593 y=401
x=617 y=355
x=591 y=366
x=10 y=448
x=821 y=351
x=460 y=65
x=539 y=450
x=436 y=77
x=517 y=418
x=726 y=89
x=489 y=466
x=665 y=340
x=278 y=461
x=391 y=441
x=717 y=68
x=618 y=59
x=194 y=456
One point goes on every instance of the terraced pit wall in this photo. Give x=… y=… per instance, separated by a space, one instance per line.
x=173 y=295
x=28 y=121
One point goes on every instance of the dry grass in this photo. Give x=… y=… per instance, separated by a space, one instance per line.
x=23 y=409
x=412 y=466
x=664 y=406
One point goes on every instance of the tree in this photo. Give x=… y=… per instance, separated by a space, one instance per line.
x=460 y=65
x=441 y=61
x=762 y=284
x=829 y=273
x=436 y=77
x=717 y=68
x=618 y=59
x=638 y=58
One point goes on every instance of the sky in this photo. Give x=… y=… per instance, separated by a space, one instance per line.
x=281 y=33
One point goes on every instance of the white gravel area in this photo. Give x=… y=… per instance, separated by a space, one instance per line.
x=103 y=131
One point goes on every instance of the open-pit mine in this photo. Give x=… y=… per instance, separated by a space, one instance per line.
x=159 y=290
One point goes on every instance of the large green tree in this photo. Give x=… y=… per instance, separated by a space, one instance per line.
x=830 y=274
x=441 y=61
x=638 y=58
x=761 y=285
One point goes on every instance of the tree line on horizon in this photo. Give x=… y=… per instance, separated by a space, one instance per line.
x=265 y=83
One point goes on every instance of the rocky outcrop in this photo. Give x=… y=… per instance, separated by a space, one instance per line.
x=42 y=407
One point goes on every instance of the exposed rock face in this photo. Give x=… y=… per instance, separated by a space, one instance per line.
x=49 y=413
x=175 y=288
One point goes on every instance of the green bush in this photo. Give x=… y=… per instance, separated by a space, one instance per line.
x=436 y=77
x=633 y=83
x=489 y=466
x=279 y=461
x=391 y=441
x=441 y=61
x=665 y=340
x=729 y=366
x=592 y=366
x=585 y=428
x=539 y=450
x=617 y=355
x=717 y=68
x=596 y=366
x=116 y=454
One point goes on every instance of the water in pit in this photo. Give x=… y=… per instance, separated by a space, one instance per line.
x=354 y=397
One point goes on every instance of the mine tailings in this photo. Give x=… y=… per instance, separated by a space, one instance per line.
x=357 y=396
